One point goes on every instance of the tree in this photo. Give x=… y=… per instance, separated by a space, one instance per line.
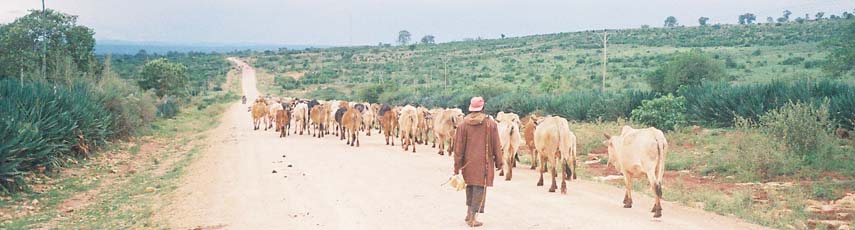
x=403 y=37
x=799 y=20
x=690 y=68
x=747 y=18
x=503 y=36
x=428 y=39
x=68 y=45
x=847 y=15
x=842 y=51
x=670 y=21
x=165 y=77
x=770 y=19
x=703 y=21
x=786 y=17
x=819 y=15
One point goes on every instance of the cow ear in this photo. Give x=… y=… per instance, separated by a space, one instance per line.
x=607 y=136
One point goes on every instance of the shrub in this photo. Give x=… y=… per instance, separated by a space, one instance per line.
x=44 y=123
x=755 y=155
x=666 y=113
x=804 y=128
x=165 y=77
x=327 y=93
x=717 y=104
x=132 y=108
x=793 y=61
x=689 y=68
x=167 y=107
x=287 y=83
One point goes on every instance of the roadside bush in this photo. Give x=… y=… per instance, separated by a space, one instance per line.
x=42 y=124
x=804 y=128
x=132 y=108
x=717 y=104
x=665 y=113
x=756 y=155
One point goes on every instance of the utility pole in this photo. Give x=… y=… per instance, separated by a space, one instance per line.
x=605 y=59
x=44 y=42
x=445 y=87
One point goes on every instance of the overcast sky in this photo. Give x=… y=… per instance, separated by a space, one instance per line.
x=367 y=22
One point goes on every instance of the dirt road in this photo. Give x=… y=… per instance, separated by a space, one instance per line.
x=324 y=184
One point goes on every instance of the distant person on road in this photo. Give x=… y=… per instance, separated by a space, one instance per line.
x=243 y=99
x=477 y=155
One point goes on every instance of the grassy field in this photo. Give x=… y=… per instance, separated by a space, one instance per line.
x=545 y=64
x=121 y=186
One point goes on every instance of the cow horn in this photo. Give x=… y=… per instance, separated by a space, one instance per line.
x=607 y=136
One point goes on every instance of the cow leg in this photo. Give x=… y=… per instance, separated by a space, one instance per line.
x=627 y=198
x=510 y=168
x=553 y=174
x=656 y=186
x=541 y=168
x=564 y=178
x=533 y=156
x=414 y=145
x=356 y=137
x=427 y=136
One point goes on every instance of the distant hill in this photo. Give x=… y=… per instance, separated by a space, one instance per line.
x=130 y=47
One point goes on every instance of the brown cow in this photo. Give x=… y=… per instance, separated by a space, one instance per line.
x=556 y=146
x=390 y=124
x=351 y=121
x=422 y=127
x=283 y=122
x=408 y=122
x=259 y=113
x=638 y=153
x=318 y=115
x=528 y=133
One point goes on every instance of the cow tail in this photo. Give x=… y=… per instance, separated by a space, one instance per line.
x=659 y=149
x=563 y=161
x=573 y=158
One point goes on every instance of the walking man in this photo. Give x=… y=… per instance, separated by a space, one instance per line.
x=477 y=155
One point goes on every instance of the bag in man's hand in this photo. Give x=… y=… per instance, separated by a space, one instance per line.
x=456 y=182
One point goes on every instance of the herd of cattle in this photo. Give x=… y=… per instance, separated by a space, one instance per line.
x=549 y=140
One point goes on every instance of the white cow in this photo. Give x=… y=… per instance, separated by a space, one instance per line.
x=638 y=153
x=509 y=136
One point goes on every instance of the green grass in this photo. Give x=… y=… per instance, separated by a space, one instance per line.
x=544 y=64
x=124 y=203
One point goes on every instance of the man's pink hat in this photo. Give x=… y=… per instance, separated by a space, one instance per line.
x=476 y=104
